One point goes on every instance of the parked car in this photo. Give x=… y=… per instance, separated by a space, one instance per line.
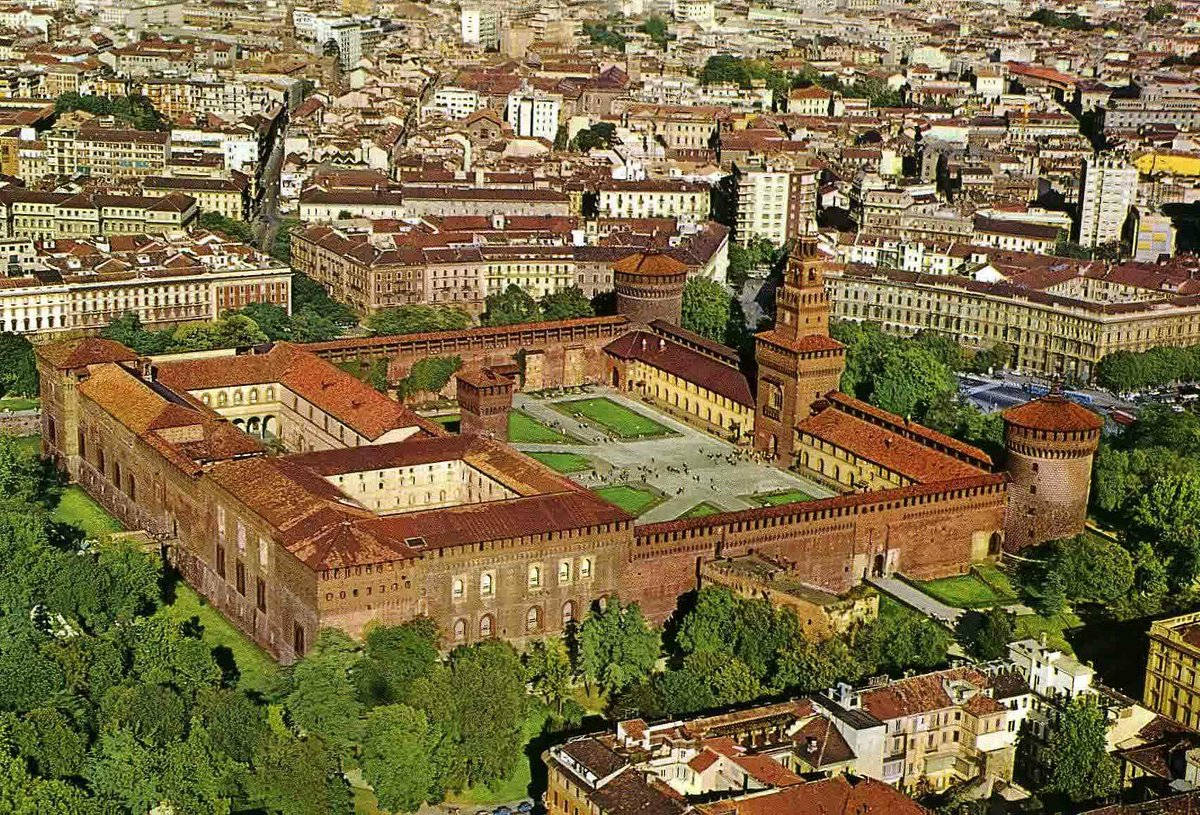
x=502 y=811
x=525 y=807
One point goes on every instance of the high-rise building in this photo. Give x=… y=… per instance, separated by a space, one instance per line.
x=480 y=25
x=1108 y=188
x=776 y=203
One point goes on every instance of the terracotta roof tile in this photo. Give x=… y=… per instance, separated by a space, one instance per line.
x=1054 y=413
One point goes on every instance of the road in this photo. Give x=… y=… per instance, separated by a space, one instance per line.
x=266 y=224
x=1007 y=389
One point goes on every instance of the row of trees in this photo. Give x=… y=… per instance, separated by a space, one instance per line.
x=1127 y=371
x=513 y=305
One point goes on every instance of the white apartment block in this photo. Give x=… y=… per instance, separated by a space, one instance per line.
x=456 y=103
x=694 y=11
x=1108 y=189
x=480 y=25
x=654 y=198
x=776 y=204
x=533 y=113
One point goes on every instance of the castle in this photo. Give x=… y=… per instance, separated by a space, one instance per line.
x=295 y=497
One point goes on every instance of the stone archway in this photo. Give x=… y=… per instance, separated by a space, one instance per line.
x=270 y=427
x=254 y=426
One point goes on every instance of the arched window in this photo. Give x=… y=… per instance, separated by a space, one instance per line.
x=535 y=577
x=568 y=613
x=564 y=571
x=222 y=399
x=254 y=396
x=487 y=584
x=270 y=394
x=206 y=399
x=456 y=589
x=585 y=568
x=533 y=619
x=460 y=630
x=486 y=625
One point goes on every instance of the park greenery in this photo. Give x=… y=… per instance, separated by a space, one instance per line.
x=1162 y=366
x=599 y=135
x=233 y=228
x=1080 y=765
x=603 y=32
x=18 y=369
x=746 y=71
x=1146 y=484
x=658 y=30
x=134 y=110
x=1053 y=19
x=416 y=319
x=429 y=375
x=712 y=312
x=515 y=305
x=757 y=253
x=915 y=378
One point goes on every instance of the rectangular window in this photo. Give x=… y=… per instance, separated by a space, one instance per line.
x=221 y=561
x=241 y=578
x=260 y=594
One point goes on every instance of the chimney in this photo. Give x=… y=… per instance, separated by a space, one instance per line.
x=810 y=745
x=146 y=369
x=662 y=344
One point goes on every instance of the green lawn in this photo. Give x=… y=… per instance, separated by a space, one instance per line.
x=258 y=671
x=564 y=462
x=967 y=591
x=30 y=444
x=516 y=786
x=1031 y=626
x=613 y=417
x=523 y=428
x=78 y=509
x=634 y=500
x=702 y=509
x=774 y=499
x=15 y=403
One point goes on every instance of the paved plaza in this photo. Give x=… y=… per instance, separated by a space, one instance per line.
x=688 y=467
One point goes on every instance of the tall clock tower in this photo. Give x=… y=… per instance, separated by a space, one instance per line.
x=798 y=362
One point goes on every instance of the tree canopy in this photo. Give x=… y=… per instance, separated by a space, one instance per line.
x=18 y=368
x=416 y=319
x=1080 y=766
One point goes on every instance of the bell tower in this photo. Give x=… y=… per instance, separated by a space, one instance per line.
x=798 y=362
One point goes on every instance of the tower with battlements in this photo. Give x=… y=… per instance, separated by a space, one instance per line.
x=798 y=362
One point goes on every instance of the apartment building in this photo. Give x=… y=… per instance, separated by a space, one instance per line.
x=700 y=12
x=82 y=284
x=1057 y=322
x=1107 y=191
x=479 y=24
x=1172 y=685
x=78 y=145
x=321 y=205
x=533 y=113
x=456 y=103
x=777 y=204
x=227 y=196
x=49 y=215
x=653 y=198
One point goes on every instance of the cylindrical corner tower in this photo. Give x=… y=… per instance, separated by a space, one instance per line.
x=1049 y=444
x=649 y=287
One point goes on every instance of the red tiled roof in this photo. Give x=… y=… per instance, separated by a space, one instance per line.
x=840 y=795
x=72 y=354
x=1054 y=413
x=650 y=264
x=691 y=366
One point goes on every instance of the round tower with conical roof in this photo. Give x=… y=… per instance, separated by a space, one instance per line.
x=1049 y=445
x=649 y=287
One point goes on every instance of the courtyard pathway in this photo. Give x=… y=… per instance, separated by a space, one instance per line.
x=689 y=468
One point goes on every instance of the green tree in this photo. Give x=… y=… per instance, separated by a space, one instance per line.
x=1079 y=763
x=322 y=700
x=430 y=374
x=908 y=381
x=231 y=331
x=1053 y=598
x=310 y=296
x=1092 y=568
x=1168 y=517
x=567 y=304
x=236 y=229
x=271 y=319
x=657 y=29
x=18 y=369
x=616 y=646
x=25 y=477
x=487 y=676
x=54 y=745
x=683 y=692
x=511 y=306
x=706 y=308
x=548 y=671
x=128 y=330
x=396 y=749
x=298 y=777
x=416 y=319
x=309 y=326
x=990 y=638
x=134 y=110
x=396 y=656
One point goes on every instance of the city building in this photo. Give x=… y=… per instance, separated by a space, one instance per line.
x=479 y=25
x=1107 y=191
x=534 y=113
x=702 y=12
x=1172 y=685
x=76 y=145
x=83 y=283
x=776 y=204
x=49 y=215
x=657 y=198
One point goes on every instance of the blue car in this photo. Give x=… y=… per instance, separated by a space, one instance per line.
x=525 y=807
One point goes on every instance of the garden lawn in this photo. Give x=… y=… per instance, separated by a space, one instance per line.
x=77 y=508
x=564 y=462
x=15 y=403
x=614 y=417
x=702 y=509
x=634 y=500
x=1031 y=626
x=774 y=499
x=523 y=428
x=516 y=786
x=964 y=591
x=258 y=671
